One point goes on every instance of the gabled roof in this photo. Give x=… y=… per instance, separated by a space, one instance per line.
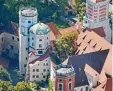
x=95 y=60
x=94 y=42
x=41 y=58
x=75 y=28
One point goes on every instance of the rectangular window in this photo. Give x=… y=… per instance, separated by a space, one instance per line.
x=44 y=76
x=2 y=39
x=37 y=70
x=86 y=88
x=33 y=76
x=40 y=45
x=32 y=38
x=11 y=47
x=44 y=70
x=17 y=39
x=25 y=65
x=60 y=87
x=33 y=70
x=40 y=52
x=70 y=86
x=32 y=44
x=12 y=38
x=37 y=76
x=40 y=39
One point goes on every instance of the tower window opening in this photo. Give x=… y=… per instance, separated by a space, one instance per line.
x=70 y=86
x=29 y=21
x=40 y=52
x=60 y=87
x=12 y=38
x=40 y=45
x=11 y=47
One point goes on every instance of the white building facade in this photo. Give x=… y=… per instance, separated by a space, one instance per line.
x=27 y=18
x=97 y=16
x=34 y=38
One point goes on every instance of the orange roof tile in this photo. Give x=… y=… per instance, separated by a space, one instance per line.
x=69 y=30
x=100 y=42
x=54 y=32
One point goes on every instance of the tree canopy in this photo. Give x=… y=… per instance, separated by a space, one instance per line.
x=6 y=86
x=64 y=45
x=50 y=85
x=23 y=86
x=4 y=14
x=4 y=74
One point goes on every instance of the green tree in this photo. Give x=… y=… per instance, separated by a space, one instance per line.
x=77 y=2
x=64 y=45
x=5 y=86
x=81 y=11
x=23 y=86
x=4 y=14
x=54 y=16
x=50 y=85
x=4 y=75
x=62 y=4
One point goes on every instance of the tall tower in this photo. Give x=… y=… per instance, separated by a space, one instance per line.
x=65 y=78
x=27 y=18
x=97 y=16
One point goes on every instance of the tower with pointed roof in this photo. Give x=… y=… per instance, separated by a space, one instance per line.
x=97 y=16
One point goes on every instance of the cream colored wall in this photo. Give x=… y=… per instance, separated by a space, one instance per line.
x=39 y=65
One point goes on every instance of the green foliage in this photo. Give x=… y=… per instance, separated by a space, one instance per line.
x=64 y=45
x=62 y=3
x=4 y=75
x=50 y=85
x=23 y=86
x=4 y=15
x=80 y=7
x=5 y=86
x=61 y=24
x=81 y=11
x=54 y=16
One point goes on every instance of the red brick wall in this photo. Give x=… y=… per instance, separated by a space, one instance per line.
x=65 y=82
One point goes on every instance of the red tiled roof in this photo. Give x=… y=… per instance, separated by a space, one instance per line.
x=70 y=29
x=54 y=32
x=101 y=44
x=41 y=58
